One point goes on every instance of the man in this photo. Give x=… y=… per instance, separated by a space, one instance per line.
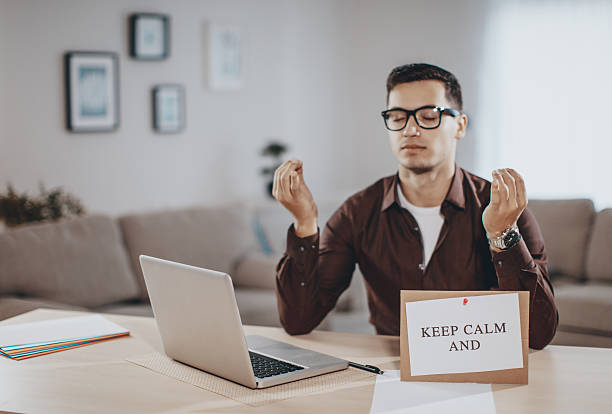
x=431 y=226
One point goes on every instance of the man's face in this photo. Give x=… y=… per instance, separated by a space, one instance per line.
x=423 y=150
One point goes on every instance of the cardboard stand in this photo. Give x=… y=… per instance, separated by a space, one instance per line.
x=504 y=376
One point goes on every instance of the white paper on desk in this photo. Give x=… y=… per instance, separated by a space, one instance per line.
x=77 y=327
x=468 y=349
x=392 y=396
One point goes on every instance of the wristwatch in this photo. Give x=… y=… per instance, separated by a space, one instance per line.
x=508 y=239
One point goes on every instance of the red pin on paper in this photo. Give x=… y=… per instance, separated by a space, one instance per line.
x=465 y=301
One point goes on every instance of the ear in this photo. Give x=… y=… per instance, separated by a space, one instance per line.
x=462 y=123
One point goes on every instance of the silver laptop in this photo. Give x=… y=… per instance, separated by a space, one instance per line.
x=199 y=323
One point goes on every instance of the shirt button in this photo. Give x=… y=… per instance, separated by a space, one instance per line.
x=302 y=248
x=302 y=283
x=416 y=228
x=499 y=262
x=421 y=266
x=314 y=246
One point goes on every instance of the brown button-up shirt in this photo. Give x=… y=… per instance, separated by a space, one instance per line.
x=373 y=230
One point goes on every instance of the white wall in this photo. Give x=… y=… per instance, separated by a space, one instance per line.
x=4 y=79
x=215 y=159
x=549 y=90
x=382 y=35
x=342 y=53
x=315 y=77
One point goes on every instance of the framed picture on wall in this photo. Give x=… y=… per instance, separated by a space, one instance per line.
x=225 y=60
x=92 y=91
x=168 y=108
x=149 y=36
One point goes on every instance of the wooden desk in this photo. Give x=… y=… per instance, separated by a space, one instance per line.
x=98 y=379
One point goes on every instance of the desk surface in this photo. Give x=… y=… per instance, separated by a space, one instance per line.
x=97 y=378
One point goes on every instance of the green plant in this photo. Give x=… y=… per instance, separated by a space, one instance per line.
x=16 y=209
x=275 y=150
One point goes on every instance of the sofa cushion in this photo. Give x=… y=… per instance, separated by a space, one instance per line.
x=256 y=270
x=210 y=237
x=566 y=226
x=12 y=306
x=562 y=280
x=271 y=223
x=257 y=307
x=599 y=255
x=585 y=306
x=79 y=262
x=272 y=220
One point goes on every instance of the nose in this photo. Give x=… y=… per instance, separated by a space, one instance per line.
x=411 y=127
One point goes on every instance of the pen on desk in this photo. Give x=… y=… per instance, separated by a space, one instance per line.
x=369 y=368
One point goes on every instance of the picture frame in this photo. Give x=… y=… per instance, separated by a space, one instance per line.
x=149 y=36
x=168 y=108
x=91 y=91
x=225 y=59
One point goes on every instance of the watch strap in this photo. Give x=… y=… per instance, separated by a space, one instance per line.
x=508 y=239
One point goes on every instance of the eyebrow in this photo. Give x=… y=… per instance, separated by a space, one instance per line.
x=422 y=106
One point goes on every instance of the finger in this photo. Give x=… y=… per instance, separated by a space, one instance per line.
x=284 y=178
x=297 y=177
x=495 y=196
x=291 y=165
x=276 y=187
x=504 y=191
x=510 y=182
x=298 y=164
x=295 y=182
x=284 y=182
x=284 y=165
x=521 y=191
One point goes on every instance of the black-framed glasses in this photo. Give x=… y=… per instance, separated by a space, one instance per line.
x=426 y=117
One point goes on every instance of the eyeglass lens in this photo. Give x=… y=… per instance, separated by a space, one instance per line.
x=397 y=119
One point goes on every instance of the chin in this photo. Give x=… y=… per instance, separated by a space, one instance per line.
x=416 y=166
x=420 y=170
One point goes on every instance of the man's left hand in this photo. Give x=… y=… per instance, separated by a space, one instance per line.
x=508 y=200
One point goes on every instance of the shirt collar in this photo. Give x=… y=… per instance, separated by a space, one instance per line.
x=389 y=193
x=455 y=195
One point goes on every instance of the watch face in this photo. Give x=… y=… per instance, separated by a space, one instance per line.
x=511 y=238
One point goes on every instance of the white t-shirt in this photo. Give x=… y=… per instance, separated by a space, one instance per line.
x=430 y=221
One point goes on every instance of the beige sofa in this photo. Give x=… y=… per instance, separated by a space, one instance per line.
x=579 y=245
x=92 y=263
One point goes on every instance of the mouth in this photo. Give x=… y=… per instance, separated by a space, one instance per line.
x=412 y=147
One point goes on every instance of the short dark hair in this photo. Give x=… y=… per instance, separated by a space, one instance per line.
x=423 y=71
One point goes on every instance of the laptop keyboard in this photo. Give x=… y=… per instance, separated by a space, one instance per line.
x=264 y=366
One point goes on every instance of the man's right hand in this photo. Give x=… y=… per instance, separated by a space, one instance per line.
x=290 y=189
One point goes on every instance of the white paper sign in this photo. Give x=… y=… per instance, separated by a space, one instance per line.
x=464 y=334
